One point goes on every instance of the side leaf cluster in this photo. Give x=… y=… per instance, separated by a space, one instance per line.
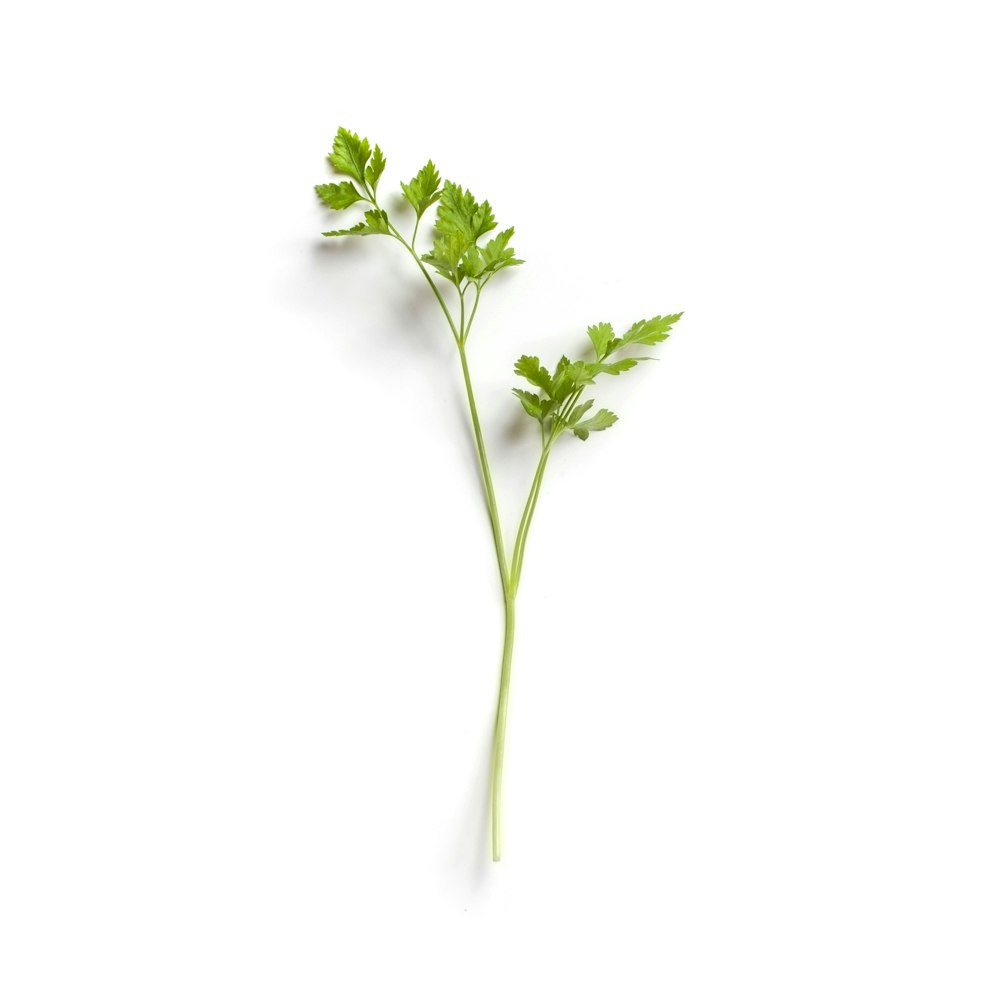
x=557 y=405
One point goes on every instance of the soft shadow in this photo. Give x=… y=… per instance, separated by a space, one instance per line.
x=401 y=323
x=402 y=316
x=470 y=856
x=519 y=427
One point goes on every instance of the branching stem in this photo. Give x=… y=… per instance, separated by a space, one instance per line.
x=510 y=576
x=458 y=259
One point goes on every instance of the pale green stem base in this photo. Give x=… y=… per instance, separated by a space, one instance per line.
x=500 y=729
x=510 y=593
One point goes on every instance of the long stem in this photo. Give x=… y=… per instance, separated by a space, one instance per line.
x=517 y=556
x=484 y=465
x=500 y=728
x=508 y=579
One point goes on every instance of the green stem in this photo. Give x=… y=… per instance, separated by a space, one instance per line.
x=475 y=306
x=484 y=465
x=500 y=729
x=430 y=281
x=517 y=556
x=508 y=579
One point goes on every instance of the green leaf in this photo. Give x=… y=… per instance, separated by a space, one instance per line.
x=472 y=263
x=350 y=154
x=460 y=215
x=498 y=255
x=445 y=255
x=533 y=406
x=578 y=412
x=482 y=219
x=529 y=368
x=338 y=196
x=424 y=189
x=600 y=421
x=600 y=336
x=647 y=331
x=619 y=366
x=564 y=380
x=376 y=222
x=581 y=373
x=374 y=169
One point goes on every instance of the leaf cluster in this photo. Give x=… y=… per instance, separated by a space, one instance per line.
x=460 y=225
x=458 y=253
x=556 y=406
x=353 y=156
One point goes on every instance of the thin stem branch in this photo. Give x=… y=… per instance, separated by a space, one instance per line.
x=430 y=281
x=484 y=465
x=475 y=306
x=517 y=555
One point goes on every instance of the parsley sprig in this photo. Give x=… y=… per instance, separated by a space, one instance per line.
x=460 y=264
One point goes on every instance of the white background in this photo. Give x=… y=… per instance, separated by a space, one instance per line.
x=250 y=619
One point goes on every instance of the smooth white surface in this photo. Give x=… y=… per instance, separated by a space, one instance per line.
x=250 y=621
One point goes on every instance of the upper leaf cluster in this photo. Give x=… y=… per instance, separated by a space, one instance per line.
x=461 y=222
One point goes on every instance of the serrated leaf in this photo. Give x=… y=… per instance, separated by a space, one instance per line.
x=374 y=169
x=454 y=213
x=563 y=380
x=580 y=373
x=350 y=154
x=445 y=255
x=528 y=367
x=424 y=189
x=600 y=421
x=578 y=412
x=619 y=366
x=460 y=215
x=533 y=406
x=497 y=254
x=482 y=219
x=600 y=335
x=472 y=263
x=358 y=229
x=649 y=331
x=338 y=196
x=375 y=223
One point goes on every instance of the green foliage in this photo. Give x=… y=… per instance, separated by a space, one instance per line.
x=533 y=405
x=457 y=253
x=424 y=189
x=600 y=336
x=376 y=222
x=559 y=409
x=497 y=254
x=460 y=224
x=600 y=421
x=646 y=331
x=460 y=215
x=350 y=154
x=374 y=169
x=529 y=368
x=338 y=196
